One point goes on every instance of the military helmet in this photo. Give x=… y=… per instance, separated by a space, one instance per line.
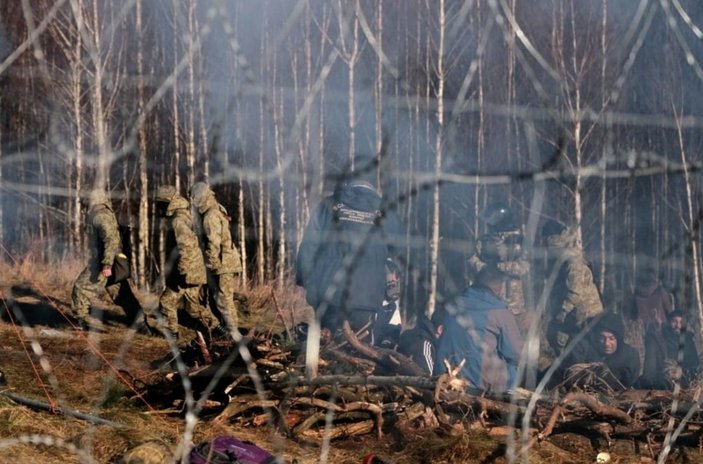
x=165 y=193
x=499 y=217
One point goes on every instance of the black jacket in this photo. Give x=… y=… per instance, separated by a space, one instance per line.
x=418 y=344
x=624 y=363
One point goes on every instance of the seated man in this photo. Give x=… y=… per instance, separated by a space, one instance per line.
x=386 y=328
x=419 y=342
x=481 y=330
x=670 y=355
x=604 y=347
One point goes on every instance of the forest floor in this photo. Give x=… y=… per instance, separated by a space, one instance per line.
x=45 y=359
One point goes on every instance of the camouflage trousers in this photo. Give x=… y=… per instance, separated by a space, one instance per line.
x=174 y=299
x=90 y=283
x=222 y=288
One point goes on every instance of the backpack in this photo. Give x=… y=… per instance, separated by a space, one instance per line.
x=228 y=450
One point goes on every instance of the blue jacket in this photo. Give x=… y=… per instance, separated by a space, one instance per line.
x=341 y=260
x=481 y=329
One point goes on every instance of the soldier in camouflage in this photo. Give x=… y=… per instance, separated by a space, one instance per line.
x=185 y=269
x=222 y=258
x=501 y=247
x=105 y=244
x=574 y=298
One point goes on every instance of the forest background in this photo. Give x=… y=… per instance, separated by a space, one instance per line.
x=585 y=112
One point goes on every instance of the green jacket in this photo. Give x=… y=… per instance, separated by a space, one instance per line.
x=191 y=264
x=221 y=256
x=103 y=235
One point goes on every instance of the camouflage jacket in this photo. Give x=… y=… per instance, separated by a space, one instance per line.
x=504 y=249
x=573 y=294
x=221 y=256
x=190 y=263
x=103 y=235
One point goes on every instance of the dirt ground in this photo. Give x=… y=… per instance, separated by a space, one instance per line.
x=46 y=360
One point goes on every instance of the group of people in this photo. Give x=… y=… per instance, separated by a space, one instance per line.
x=352 y=246
x=351 y=264
x=197 y=260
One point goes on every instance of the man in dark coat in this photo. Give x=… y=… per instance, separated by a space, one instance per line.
x=341 y=260
x=670 y=354
x=605 y=345
x=480 y=330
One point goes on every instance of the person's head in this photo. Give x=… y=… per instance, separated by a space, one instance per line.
x=677 y=321
x=438 y=321
x=646 y=277
x=363 y=171
x=97 y=197
x=493 y=279
x=392 y=280
x=162 y=197
x=609 y=333
x=552 y=228
x=607 y=341
x=199 y=194
x=499 y=217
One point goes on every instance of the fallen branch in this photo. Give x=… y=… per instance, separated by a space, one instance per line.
x=61 y=411
x=602 y=410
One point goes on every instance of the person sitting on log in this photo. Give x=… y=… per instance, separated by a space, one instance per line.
x=670 y=355
x=419 y=343
x=480 y=330
x=603 y=353
x=387 y=324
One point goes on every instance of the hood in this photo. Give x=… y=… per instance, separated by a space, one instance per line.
x=613 y=323
x=646 y=290
x=97 y=198
x=481 y=299
x=177 y=202
x=203 y=197
x=566 y=239
x=360 y=196
x=425 y=327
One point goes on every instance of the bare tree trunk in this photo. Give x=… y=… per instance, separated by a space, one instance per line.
x=175 y=101
x=143 y=222
x=604 y=152
x=693 y=225
x=191 y=150
x=434 y=241
x=76 y=95
x=99 y=125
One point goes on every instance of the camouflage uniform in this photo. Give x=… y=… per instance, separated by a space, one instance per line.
x=185 y=267
x=574 y=298
x=104 y=244
x=504 y=250
x=222 y=258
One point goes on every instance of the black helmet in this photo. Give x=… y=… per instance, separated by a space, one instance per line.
x=499 y=217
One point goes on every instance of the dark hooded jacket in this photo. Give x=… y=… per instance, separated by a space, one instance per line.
x=418 y=344
x=480 y=329
x=664 y=345
x=341 y=260
x=624 y=364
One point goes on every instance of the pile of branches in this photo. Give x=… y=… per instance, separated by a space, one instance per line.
x=362 y=389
